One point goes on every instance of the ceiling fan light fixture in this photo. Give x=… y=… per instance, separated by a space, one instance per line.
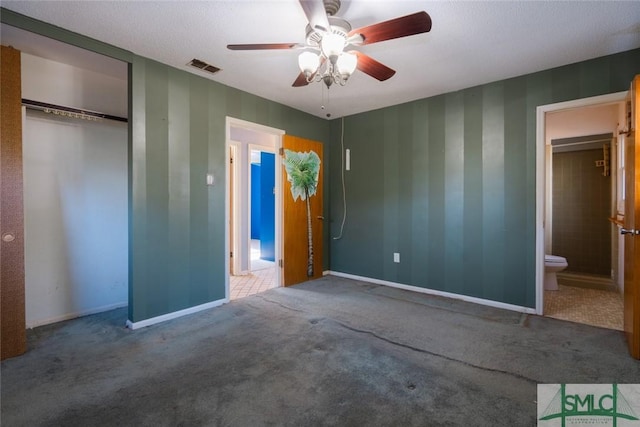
x=347 y=63
x=327 y=35
x=308 y=63
x=332 y=45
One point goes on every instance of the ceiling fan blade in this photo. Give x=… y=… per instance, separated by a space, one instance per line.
x=370 y=66
x=316 y=14
x=301 y=80
x=264 y=46
x=409 y=25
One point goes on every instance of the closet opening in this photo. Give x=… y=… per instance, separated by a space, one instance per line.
x=75 y=145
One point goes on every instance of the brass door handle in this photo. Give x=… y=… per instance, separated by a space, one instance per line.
x=320 y=217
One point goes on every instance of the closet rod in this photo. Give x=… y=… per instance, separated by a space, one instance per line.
x=69 y=111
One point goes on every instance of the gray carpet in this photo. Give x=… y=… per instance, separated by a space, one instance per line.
x=328 y=352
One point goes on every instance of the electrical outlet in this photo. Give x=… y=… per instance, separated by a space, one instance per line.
x=396 y=257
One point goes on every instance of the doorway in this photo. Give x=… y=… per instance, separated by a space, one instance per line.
x=255 y=217
x=577 y=202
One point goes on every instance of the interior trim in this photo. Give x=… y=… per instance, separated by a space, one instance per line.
x=77 y=314
x=475 y=300
x=174 y=315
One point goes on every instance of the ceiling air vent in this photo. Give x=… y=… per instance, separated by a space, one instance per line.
x=203 y=66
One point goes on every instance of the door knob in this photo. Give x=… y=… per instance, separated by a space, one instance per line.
x=632 y=231
x=8 y=237
x=320 y=217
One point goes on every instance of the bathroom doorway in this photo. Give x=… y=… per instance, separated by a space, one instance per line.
x=254 y=225
x=581 y=201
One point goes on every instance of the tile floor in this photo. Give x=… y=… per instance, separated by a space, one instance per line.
x=261 y=278
x=253 y=283
x=582 y=305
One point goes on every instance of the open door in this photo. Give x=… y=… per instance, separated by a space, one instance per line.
x=267 y=206
x=301 y=162
x=632 y=224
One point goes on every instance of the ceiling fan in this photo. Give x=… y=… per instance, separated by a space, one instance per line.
x=325 y=57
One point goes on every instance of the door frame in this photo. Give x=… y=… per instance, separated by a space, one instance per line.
x=232 y=207
x=541 y=188
x=232 y=122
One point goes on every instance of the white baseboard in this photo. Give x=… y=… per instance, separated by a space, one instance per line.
x=475 y=300
x=76 y=314
x=174 y=315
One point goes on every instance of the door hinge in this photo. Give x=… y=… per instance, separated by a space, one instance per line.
x=281 y=151
x=280 y=263
x=231 y=254
x=231 y=160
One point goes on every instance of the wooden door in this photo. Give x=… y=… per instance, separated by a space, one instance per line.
x=12 y=294
x=301 y=163
x=631 y=227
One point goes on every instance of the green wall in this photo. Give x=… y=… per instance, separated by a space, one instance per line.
x=449 y=183
x=178 y=223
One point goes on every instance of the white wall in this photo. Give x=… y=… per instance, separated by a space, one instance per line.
x=75 y=195
x=55 y=83
x=582 y=122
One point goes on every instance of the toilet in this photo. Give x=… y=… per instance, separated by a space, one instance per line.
x=552 y=265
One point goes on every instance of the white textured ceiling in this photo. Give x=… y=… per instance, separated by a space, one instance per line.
x=471 y=43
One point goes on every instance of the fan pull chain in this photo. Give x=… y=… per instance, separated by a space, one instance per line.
x=325 y=105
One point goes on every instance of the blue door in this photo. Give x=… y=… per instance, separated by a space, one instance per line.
x=267 y=206
x=256 y=198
